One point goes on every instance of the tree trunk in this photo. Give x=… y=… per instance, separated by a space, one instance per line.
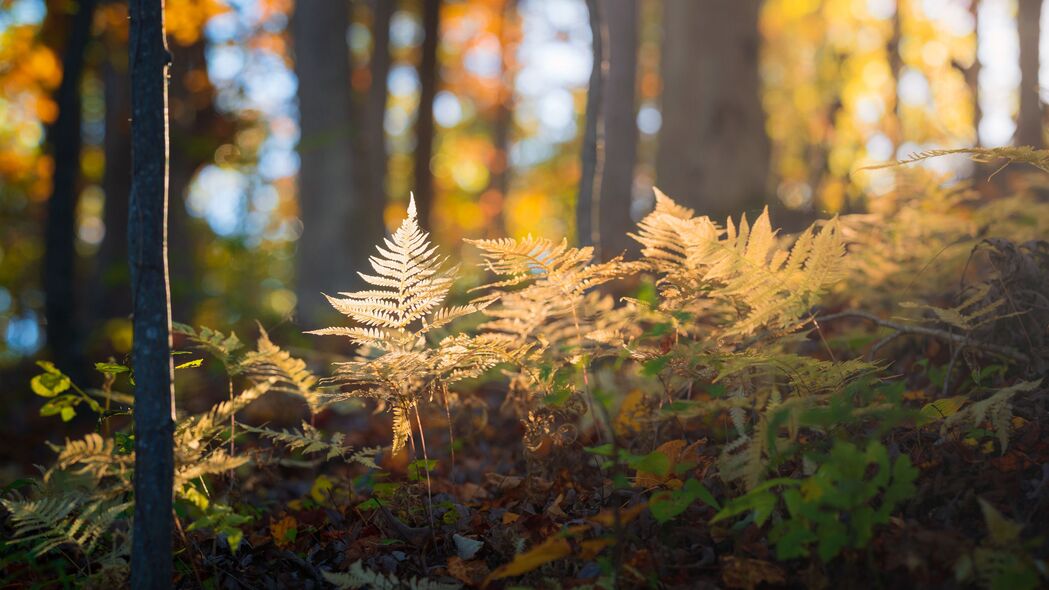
x=374 y=132
x=593 y=150
x=972 y=73
x=428 y=78
x=113 y=290
x=60 y=296
x=620 y=129
x=339 y=228
x=713 y=149
x=1029 y=121
x=151 y=561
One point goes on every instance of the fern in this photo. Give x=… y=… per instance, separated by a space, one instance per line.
x=291 y=374
x=1011 y=154
x=311 y=441
x=394 y=319
x=360 y=577
x=998 y=408
x=68 y=517
x=742 y=266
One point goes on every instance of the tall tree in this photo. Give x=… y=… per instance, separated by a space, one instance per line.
x=1029 y=122
x=60 y=297
x=593 y=150
x=374 y=132
x=151 y=562
x=113 y=288
x=339 y=227
x=619 y=116
x=429 y=72
x=713 y=149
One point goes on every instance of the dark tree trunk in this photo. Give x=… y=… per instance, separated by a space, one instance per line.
x=620 y=128
x=713 y=149
x=593 y=150
x=972 y=73
x=1029 y=122
x=151 y=561
x=113 y=290
x=60 y=296
x=339 y=227
x=374 y=133
x=428 y=79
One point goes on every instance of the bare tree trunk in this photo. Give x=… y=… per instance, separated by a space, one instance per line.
x=713 y=149
x=593 y=150
x=151 y=561
x=620 y=127
x=374 y=132
x=1029 y=122
x=339 y=228
x=972 y=73
x=60 y=296
x=424 y=128
x=113 y=288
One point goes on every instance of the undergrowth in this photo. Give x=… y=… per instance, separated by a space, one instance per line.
x=786 y=398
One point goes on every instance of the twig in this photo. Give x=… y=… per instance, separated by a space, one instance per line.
x=959 y=339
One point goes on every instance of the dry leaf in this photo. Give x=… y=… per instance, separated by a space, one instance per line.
x=748 y=574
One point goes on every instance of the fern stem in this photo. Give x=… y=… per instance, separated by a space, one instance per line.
x=426 y=466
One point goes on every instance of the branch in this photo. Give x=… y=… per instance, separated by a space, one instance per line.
x=959 y=339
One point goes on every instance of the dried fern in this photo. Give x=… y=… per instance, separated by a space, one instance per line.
x=393 y=320
x=998 y=408
x=742 y=266
x=310 y=440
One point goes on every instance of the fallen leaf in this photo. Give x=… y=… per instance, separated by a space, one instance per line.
x=284 y=531
x=553 y=548
x=748 y=574
x=470 y=573
x=466 y=548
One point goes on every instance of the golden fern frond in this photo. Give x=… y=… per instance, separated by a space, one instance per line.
x=1011 y=154
x=192 y=432
x=291 y=374
x=968 y=315
x=93 y=456
x=215 y=461
x=70 y=517
x=310 y=440
x=402 y=428
x=806 y=375
x=742 y=265
x=411 y=285
x=998 y=408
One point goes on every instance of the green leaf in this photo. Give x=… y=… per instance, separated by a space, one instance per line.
x=68 y=413
x=940 y=409
x=49 y=384
x=190 y=364
x=656 y=463
x=667 y=505
x=653 y=367
x=111 y=368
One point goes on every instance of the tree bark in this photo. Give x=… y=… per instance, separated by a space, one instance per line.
x=113 y=291
x=151 y=557
x=374 y=132
x=424 y=127
x=59 y=280
x=593 y=150
x=339 y=228
x=713 y=148
x=1029 y=122
x=620 y=130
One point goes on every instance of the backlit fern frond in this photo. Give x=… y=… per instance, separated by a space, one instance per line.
x=195 y=431
x=742 y=265
x=95 y=457
x=394 y=319
x=998 y=408
x=291 y=374
x=973 y=312
x=310 y=440
x=1023 y=154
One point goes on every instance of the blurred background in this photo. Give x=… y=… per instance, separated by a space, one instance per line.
x=298 y=130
